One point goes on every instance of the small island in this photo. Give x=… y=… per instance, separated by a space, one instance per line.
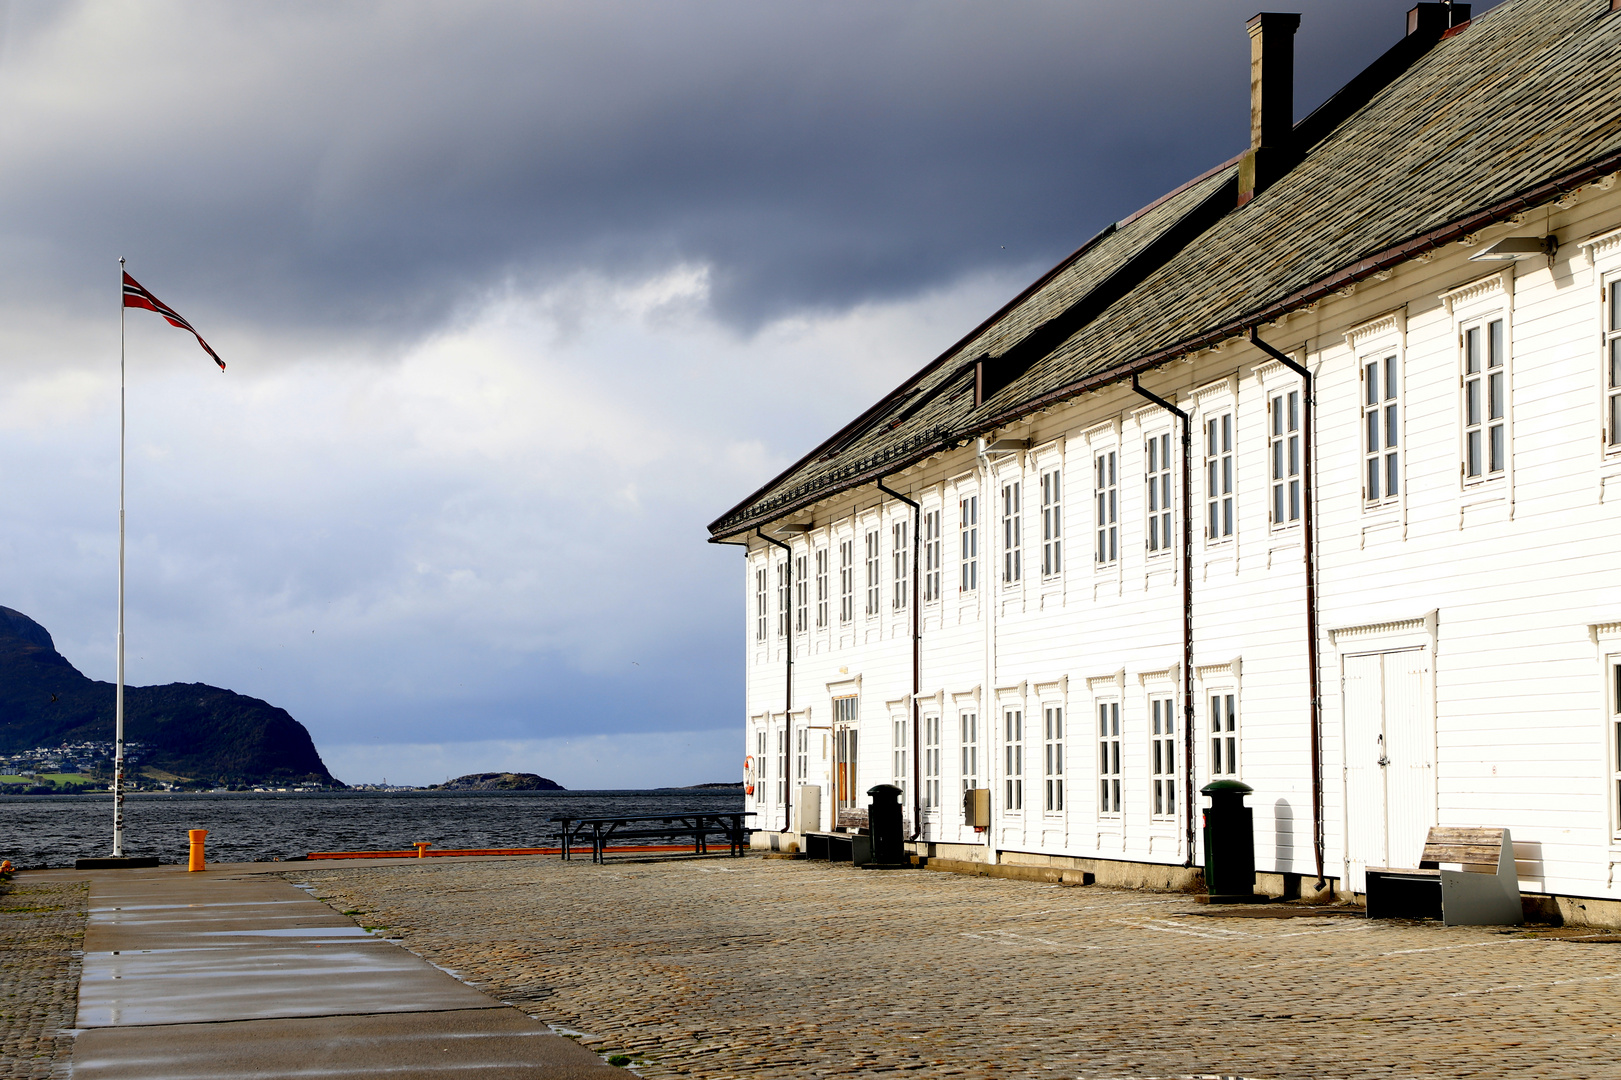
x=498 y=781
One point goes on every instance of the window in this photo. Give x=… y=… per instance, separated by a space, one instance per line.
x=1052 y=760
x=1615 y=737
x=801 y=594
x=968 y=726
x=762 y=785
x=969 y=509
x=847 y=580
x=1013 y=747
x=1283 y=440
x=899 y=755
x=802 y=759
x=1162 y=714
x=1012 y=533
x=1380 y=430
x=761 y=615
x=1485 y=393
x=1218 y=463
x=1106 y=485
x=903 y=561
x=1159 y=492
x=1052 y=523
x=872 y=572
x=783 y=599
x=846 y=738
x=931 y=761
x=821 y=588
x=782 y=765
x=1109 y=757
x=932 y=556
x=1612 y=352
x=1223 y=736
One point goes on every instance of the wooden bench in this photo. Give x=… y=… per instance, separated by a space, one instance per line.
x=851 y=843
x=1484 y=891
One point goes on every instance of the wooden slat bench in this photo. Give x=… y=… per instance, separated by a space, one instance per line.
x=851 y=843
x=1484 y=891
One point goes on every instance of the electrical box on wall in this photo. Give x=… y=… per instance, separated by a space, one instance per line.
x=808 y=809
x=976 y=807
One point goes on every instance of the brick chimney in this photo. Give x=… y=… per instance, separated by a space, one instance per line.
x=1272 y=102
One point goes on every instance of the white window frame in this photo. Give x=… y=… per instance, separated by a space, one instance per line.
x=1382 y=412
x=1111 y=771
x=873 y=563
x=1013 y=759
x=1221 y=721
x=933 y=555
x=847 y=582
x=784 y=596
x=782 y=764
x=931 y=761
x=1285 y=457
x=762 y=600
x=1106 y=506
x=968 y=541
x=762 y=766
x=1164 y=757
x=802 y=753
x=968 y=747
x=900 y=594
x=1610 y=364
x=1012 y=533
x=1052 y=757
x=823 y=588
x=1612 y=695
x=900 y=747
x=1483 y=406
x=1159 y=505
x=1221 y=503
x=1052 y=522
x=801 y=594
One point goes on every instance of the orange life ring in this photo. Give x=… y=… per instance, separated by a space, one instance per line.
x=748 y=774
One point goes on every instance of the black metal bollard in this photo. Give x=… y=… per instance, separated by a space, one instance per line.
x=1229 y=843
x=884 y=822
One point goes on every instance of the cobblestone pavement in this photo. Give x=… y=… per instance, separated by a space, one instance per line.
x=757 y=967
x=41 y=946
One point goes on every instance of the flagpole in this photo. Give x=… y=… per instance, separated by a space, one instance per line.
x=118 y=701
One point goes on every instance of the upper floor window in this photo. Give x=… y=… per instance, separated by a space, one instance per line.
x=1159 y=492
x=761 y=610
x=847 y=580
x=872 y=572
x=1612 y=355
x=932 y=554
x=902 y=555
x=1485 y=401
x=1381 y=430
x=801 y=594
x=821 y=588
x=1106 y=486
x=1052 y=523
x=1283 y=440
x=1218 y=464
x=1012 y=534
x=784 y=599
x=969 y=538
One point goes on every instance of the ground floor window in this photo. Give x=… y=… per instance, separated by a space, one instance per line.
x=1013 y=746
x=931 y=761
x=1162 y=729
x=782 y=765
x=899 y=755
x=1223 y=735
x=1052 y=763
x=802 y=764
x=1109 y=757
x=1615 y=737
x=968 y=725
x=762 y=787
x=845 y=714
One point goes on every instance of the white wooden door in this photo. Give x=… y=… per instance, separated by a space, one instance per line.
x=1389 y=759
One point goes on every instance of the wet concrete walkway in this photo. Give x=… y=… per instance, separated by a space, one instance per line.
x=232 y=972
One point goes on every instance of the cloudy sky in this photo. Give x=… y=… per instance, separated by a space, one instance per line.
x=516 y=298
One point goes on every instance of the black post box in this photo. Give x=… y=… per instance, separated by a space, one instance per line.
x=1229 y=843
x=884 y=822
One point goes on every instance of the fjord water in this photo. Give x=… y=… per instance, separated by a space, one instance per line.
x=53 y=830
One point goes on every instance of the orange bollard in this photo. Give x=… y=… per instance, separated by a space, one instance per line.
x=422 y=847
x=197 y=838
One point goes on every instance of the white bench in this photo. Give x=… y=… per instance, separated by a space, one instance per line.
x=1483 y=891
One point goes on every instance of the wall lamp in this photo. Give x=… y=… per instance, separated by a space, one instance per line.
x=1514 y=248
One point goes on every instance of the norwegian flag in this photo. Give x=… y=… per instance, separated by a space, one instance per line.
x=137 y=295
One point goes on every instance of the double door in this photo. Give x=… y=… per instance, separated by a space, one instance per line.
x=1390 y=787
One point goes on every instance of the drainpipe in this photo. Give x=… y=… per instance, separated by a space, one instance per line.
x=1187 y=605
x=788 y=706
x=1309 y=525
x=917 y=655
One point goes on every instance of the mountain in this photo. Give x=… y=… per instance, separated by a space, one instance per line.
x=499 y=781
x=189 y=729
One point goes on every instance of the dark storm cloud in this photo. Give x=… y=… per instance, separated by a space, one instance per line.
x=367 y=168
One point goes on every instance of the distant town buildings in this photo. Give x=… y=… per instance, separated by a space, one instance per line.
x=1307 y=475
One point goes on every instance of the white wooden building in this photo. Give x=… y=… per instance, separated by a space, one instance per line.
x=1430 y=521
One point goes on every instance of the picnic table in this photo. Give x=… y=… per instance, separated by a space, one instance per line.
x=701 y=825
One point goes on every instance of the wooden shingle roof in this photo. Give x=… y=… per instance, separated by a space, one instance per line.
x=1503 y=113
